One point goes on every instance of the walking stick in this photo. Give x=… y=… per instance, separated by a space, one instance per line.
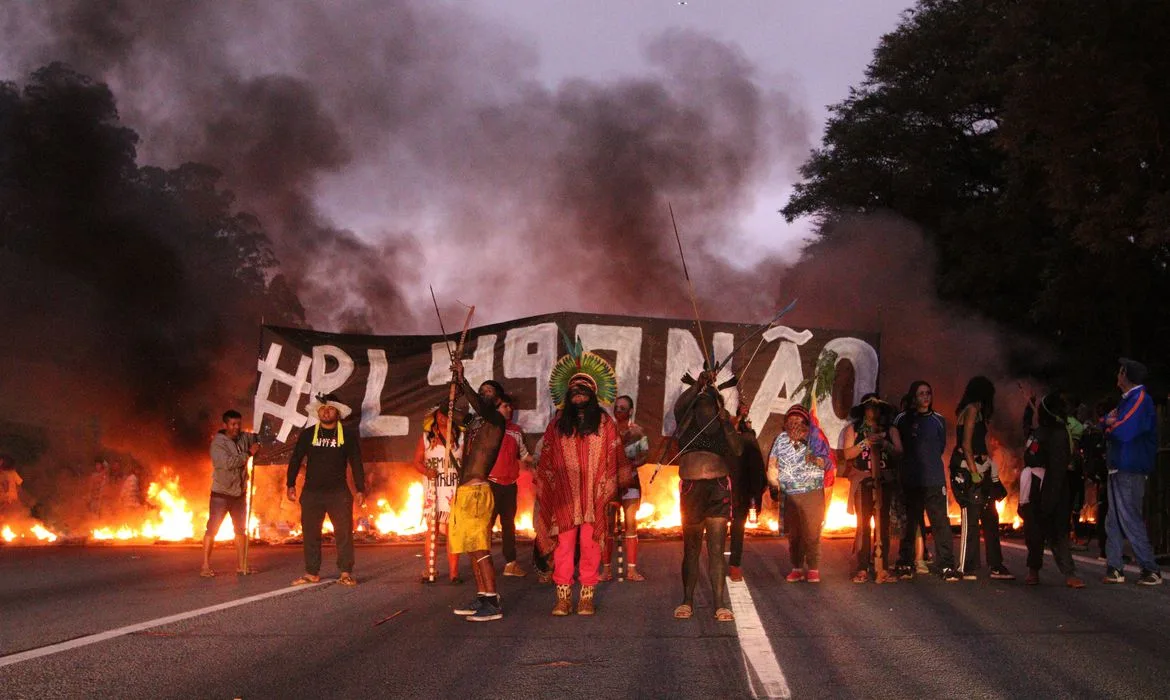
x=451 y=393
x=619 y=532
x=250 y=468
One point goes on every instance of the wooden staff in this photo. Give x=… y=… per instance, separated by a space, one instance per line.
x=451 y=394
x=250 y=468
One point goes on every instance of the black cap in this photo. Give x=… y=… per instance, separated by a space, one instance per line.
x=1135 y=371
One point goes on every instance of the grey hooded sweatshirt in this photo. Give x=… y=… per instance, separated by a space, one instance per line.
x=229 y=459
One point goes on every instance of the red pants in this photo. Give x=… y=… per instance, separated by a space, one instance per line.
x=566 y=548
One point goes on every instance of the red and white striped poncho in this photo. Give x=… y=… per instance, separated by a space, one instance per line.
x=575 y=479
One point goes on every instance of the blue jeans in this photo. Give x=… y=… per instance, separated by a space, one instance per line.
x=1126 y=494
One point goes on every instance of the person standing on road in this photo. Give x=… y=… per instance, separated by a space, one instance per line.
x=230 y=450
x=798 y=466
x=866 y=444
x=1132 y=433
x=503 y=477
x=709 y=444
x=441 y=480
x=919 y=435
x=748 y=481
x=1045 y=500
x=582 y=466
x=326 y=449
x=469 y=530
x=978 y=475
x=637 y=447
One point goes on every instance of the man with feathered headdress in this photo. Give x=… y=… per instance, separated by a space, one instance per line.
x=581 y=467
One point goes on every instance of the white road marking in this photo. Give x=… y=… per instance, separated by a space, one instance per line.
x=131 y=629
x=757 y=649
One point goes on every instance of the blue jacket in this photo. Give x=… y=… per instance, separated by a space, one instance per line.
x=1133 y=439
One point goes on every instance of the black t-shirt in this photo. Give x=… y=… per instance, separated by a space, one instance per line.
x=325 y=468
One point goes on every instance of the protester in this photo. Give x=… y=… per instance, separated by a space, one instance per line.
x=919 y=437
x=503 y=477
x=326 y=449
x=866 y=444
x=975 y=482
x=10 y=482
x=708 y=442
x=99 y=486
x=1045 y=500
x=231 y=447
x=1132 y=433
x=749 y=478
x=442 y=478
x=582 y=467
x=797 y=467
x=637 y=447
x=469 y=530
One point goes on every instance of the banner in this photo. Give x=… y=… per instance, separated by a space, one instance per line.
x=390 y=382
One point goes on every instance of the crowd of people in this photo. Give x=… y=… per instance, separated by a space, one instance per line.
x=587 y=488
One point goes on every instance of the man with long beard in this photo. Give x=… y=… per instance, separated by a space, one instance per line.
x=581 y=467
x=708 y=442
x=468 y=530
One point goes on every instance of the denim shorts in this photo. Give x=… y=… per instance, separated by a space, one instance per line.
x=221 y=506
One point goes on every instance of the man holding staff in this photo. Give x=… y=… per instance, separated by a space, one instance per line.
x=230 y=450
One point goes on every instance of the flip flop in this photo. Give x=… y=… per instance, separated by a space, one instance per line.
x=249 y=572
x=724 y=615
x=307 y=578
x=347 y=580
x=207 y=573
x=683 y=612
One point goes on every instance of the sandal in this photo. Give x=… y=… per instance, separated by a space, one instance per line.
x=207 y=573
x=247 y=572
x=861 y=576
x=724 y=615
x=633 y=575
x=346 y=580
x=307 y=578
x=683 y=612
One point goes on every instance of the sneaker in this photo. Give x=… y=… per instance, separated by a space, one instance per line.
x=1033 y=578
x=489 y=609
x=1000 y=573
x=471 y=608
x=950 y=575
x=814 y=576
x=904 y=572
x=794 y=576
x=1074 y=582
x=1150 y=578
x=1113 y=576
x=969 y=576
x=735 y=573
x=513 y=569
x=862 y=576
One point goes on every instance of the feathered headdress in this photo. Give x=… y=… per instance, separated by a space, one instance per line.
x=581 y=366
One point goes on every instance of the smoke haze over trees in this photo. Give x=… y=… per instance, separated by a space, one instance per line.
x=1029 y=140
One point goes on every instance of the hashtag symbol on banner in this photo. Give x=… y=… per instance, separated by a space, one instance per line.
x=298 y=384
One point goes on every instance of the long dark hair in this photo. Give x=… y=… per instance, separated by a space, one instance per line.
x=979 y=390
x=910 y=403
x=580 y=421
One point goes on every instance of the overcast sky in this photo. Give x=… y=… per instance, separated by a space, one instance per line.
x=813 y=50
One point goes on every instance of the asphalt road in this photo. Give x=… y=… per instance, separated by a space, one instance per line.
x=836 y=639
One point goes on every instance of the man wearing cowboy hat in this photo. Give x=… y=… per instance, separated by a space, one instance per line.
x=325 y=449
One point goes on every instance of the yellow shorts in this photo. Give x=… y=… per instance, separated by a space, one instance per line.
x=468 y=528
